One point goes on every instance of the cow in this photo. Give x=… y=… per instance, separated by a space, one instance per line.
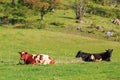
x=88 y=57
x=35 y=58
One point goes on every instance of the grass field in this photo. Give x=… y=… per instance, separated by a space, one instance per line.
x=63 y=48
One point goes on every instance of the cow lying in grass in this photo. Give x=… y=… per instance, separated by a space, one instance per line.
x=35 y=58
x=105 y=56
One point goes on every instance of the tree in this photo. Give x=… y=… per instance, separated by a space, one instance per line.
x=115 y=2
x=13 y=2
x=107 y=2
x=43 y=6
x=78 y=7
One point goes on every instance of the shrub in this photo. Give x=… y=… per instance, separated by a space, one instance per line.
x=40 y=25
x=57 y=23
x=17 y=20
x=22 y=26
x=91 y=31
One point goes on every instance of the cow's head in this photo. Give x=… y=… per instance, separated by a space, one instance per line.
x=23 y=55
x=109 y=52
x=27 y=58
x=79 y=54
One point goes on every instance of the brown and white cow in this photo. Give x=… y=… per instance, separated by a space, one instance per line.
x=35 y=58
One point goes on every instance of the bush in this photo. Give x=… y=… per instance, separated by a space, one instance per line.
x=4 y=20
x=40 y=24
x=20 y=26
x=17 y=20
x=57 y=23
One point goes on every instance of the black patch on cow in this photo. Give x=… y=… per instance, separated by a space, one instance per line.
x=105 y=56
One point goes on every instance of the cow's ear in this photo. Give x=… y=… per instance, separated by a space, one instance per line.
x=107 y=49
x=19 y=52
x=79 y=51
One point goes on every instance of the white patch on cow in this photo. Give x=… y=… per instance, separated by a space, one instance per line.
x=46 y=59
x=37 y=59
x=92 y=57
x=99 y=59
x=33 y=56
x=22 y=53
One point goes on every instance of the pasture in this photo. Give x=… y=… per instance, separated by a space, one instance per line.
x=62 y=47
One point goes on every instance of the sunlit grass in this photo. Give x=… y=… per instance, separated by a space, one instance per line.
x=63 y=48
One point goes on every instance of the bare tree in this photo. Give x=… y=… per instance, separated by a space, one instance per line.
x=13 y=2
x=79 y=9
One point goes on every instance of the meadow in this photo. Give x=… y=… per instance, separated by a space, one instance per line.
x=63 y=48
x=56 y=35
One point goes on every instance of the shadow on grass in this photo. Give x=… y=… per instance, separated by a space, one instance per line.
x=67 y=17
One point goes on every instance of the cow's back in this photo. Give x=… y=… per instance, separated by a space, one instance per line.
x=43 y=59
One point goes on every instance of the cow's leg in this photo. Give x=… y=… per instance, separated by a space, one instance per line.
x=45 y=62
x=99 y=59
x=108 y=59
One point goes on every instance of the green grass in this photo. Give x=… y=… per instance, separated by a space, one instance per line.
x=80 y=71
x=63 y=48
x=64 y=21
x=62 y=41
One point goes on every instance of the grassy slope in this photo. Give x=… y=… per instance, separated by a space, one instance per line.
x=68 y=21
x=62 y=47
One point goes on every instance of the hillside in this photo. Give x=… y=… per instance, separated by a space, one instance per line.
x=63 y=19
x=63 y=48
x=56 y=44
x=59 y=35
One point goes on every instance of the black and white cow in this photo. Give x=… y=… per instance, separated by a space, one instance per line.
x=105 y=56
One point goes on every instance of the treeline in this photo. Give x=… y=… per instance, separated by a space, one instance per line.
x=106 y=8
x=103 y=11
x=16 y=11
x=116 y=3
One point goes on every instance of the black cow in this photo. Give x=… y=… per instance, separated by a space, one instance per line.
x=105 y=56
